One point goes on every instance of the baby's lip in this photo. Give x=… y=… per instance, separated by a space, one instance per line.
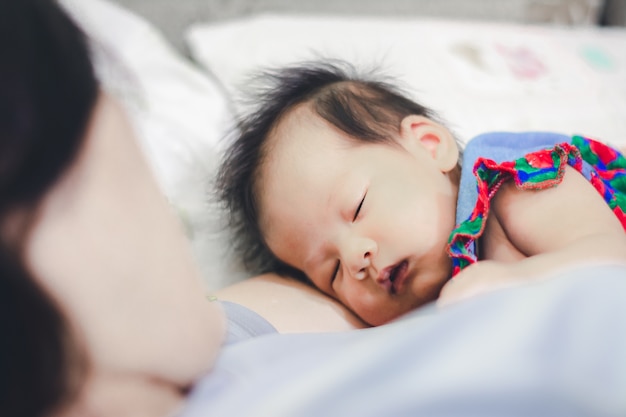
x=393 y=277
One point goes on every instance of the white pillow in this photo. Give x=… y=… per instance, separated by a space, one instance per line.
x=479 y=76
x=180 y=115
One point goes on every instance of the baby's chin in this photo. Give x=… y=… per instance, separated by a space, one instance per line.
x=389 y=315
x=421 y=292
x=420 y=300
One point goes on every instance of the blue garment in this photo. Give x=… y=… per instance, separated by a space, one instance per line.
x=554 y=348
x=500 y=147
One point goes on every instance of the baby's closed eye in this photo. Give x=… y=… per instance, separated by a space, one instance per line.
x=358 y=209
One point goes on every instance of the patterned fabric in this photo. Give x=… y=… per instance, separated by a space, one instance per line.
x=536 y=171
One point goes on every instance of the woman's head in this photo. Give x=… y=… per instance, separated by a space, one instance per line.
x=98 y=286
x=323 y=135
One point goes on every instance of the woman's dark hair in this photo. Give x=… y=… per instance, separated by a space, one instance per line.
x=369 y=110
x=47 y=93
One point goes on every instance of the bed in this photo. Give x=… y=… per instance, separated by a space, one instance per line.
x=478 y=75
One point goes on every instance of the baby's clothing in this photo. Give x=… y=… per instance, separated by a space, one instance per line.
x=535 y=161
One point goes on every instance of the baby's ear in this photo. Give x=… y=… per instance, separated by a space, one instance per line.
x=436 y=139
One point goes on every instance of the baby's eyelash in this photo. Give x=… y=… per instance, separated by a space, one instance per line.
x=358 y=209
x=335 y=272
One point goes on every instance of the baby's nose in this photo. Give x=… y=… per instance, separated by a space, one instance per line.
x=361 y=273
x=360 y=257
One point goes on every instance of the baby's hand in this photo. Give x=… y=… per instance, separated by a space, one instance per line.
x=481 y=277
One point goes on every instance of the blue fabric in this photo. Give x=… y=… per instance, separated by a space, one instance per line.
x=554 y=348
x=500 y=147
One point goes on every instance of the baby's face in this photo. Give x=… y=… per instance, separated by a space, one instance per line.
x=367 y=223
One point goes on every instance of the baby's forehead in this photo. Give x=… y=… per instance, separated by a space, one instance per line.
x=300 y=130
x=298 y=146
x=298 y=143
x=302 y=116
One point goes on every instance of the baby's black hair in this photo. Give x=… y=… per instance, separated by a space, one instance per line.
x=364 y=108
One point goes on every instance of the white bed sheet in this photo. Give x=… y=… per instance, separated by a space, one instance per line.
x=479 y=76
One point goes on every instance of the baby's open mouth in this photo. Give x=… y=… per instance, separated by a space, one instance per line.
x=393 y=277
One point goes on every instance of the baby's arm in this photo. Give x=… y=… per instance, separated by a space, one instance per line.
x=555 y=228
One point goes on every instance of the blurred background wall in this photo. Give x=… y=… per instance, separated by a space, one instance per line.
x=174 y=16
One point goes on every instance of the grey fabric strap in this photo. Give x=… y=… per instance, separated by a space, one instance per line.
x=244 y=323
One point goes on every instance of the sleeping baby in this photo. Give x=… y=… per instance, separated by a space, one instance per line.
x=347 y=184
